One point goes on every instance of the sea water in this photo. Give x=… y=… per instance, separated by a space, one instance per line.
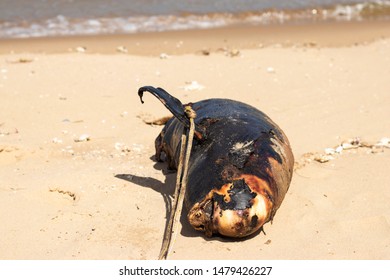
x=40 y=18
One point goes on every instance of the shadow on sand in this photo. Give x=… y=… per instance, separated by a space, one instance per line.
x=167 y=189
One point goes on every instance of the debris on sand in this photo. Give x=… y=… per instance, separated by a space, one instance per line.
x=83 y=138
x=191 y=86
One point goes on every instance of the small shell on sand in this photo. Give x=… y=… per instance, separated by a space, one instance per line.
x=193 y=85
x=384 y=142
x=323 y=158
x=122 y=147
x=121 y=49
x=83 y=138
x=233 y=53
x=347 y=146
x=164 y=56
x=339 y=149
x=81 y=49
x=56 y=140
x=330 y=151
x=271 y=70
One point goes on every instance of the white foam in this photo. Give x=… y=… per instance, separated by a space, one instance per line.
x=63 y=26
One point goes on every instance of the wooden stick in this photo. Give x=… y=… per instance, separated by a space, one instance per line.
x=180 y=189
x=168 y=230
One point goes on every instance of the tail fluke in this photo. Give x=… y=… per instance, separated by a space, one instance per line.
x=171 y=103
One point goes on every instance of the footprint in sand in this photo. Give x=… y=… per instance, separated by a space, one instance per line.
x=10 y=154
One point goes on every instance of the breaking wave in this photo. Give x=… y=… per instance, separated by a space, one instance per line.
x=64 y=26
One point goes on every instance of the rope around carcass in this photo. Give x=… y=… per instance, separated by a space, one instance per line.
x=181 y=185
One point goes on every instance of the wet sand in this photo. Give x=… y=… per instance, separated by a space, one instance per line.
x=320 y=34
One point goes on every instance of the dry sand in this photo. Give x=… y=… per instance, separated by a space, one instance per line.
x=107 y=199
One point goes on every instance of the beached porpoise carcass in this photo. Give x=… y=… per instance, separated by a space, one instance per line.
x=240 y=167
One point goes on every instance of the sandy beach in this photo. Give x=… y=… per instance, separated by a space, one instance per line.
x=78 y=178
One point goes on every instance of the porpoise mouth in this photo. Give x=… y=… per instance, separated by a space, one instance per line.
x=200 y=216
x=235 y=210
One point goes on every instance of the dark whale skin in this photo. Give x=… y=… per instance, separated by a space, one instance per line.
x=240 y=167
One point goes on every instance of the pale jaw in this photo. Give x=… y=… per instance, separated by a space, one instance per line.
x=241 y=223
x=235 y=210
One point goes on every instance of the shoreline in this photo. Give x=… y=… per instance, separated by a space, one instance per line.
x=317 y=34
